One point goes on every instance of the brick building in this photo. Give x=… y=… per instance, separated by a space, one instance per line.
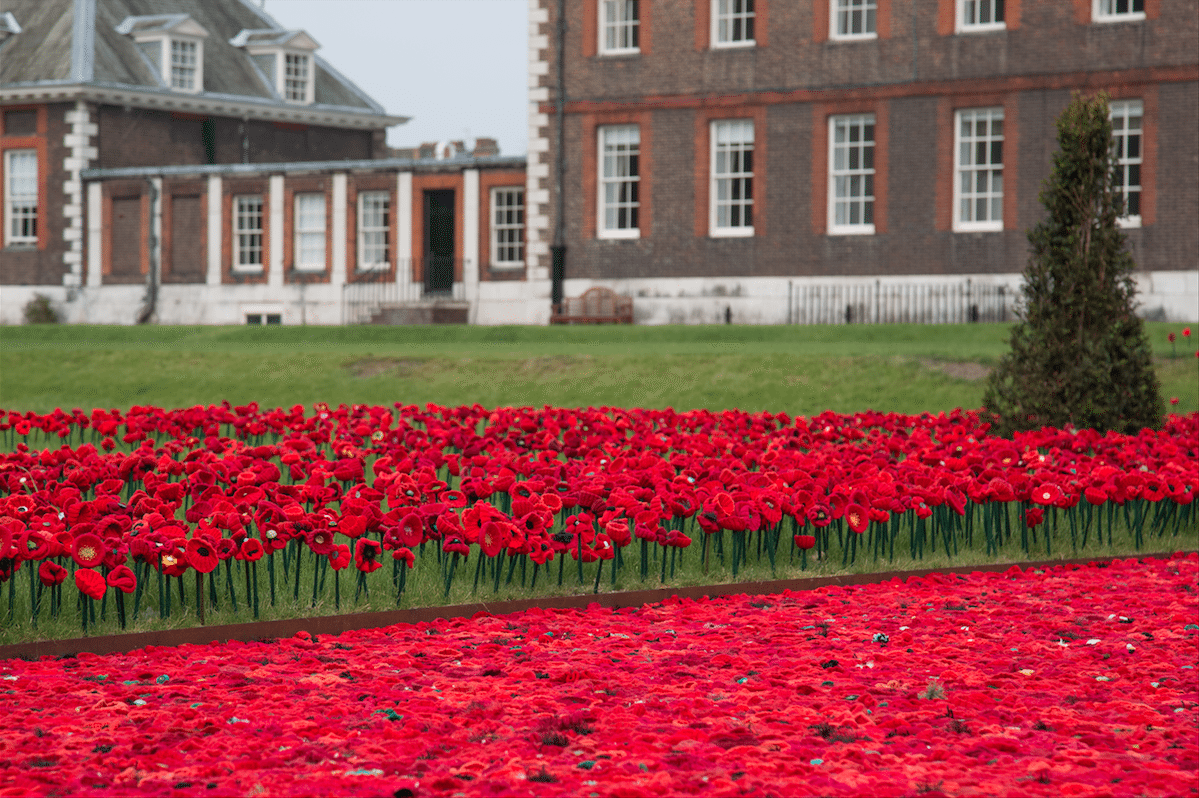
x=733 y=156
x=191 y=161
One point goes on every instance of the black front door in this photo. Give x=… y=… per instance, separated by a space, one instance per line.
x=439 y=241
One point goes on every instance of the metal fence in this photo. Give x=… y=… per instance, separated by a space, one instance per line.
x=373 y=292
x=899 y=303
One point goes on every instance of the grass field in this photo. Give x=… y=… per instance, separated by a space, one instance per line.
x=799 y=370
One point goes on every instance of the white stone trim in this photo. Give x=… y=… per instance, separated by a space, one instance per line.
x=95 y=233
x=274 y=233
x=537 y=175
x=470 y=235
x=338 y=229
x=404 y=228
x=215 y=231
x=77 y=140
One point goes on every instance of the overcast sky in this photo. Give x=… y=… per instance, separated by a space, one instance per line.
x=457 y=67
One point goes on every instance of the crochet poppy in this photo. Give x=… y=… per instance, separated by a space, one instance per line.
x=90 y=583
x=88 y=550
x=366 y=555
x=201 y=555
x=51 y=573
x=122 y=578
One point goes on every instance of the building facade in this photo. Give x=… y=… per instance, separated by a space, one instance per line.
x=194 y=162
x=730 y=156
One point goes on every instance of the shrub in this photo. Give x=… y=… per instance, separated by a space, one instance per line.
x=1079 y=355
x=39 y=311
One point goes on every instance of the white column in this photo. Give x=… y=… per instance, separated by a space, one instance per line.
x=156 y=204
x=470 y=235
x=404 y=228
x=274 y=277
x=340 y=212
x=214 y=231
x=79 y=155
x=95 y=233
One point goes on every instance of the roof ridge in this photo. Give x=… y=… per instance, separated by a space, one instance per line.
x=83 y=41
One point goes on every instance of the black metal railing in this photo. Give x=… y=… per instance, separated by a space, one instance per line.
x=900 y=303
x=369 y=293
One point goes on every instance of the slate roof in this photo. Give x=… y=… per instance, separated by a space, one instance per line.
x=76 y=43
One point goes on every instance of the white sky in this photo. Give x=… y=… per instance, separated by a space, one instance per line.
x=458 y=68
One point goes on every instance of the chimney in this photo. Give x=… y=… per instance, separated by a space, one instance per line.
x=485 y=147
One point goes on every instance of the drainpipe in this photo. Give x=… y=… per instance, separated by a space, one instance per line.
x=150 y=300
x=558 y=248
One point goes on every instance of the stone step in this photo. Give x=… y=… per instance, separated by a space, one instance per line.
x=424 y=312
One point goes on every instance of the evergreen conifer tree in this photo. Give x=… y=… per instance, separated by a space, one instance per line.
x=1079 y=355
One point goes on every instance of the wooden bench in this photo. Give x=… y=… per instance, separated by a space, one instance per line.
x=596 y=306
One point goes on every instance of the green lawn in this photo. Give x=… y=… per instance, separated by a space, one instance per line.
x=799 y=370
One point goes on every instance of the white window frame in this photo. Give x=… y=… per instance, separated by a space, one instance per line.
x=20 y=203
x=612 y=155
x=725 y=16
x=855 y=172
x=848 y=7
x=507 y=220
x=185 y=32
x=310 y=247
x=185 y=68
x=244 y=243
x=728 y=176
x=286 y=78
x=622 y=19
x=971 y=194
x=369 y=203
x=969 y=10
x=1107 y=11
x=1125 y=111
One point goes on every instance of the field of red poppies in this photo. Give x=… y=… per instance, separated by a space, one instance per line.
x=150 y=512
x=1075 y=681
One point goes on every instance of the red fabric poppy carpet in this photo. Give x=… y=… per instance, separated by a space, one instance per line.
x=1074 y=681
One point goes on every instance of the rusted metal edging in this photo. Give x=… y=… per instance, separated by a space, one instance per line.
x=336 y=624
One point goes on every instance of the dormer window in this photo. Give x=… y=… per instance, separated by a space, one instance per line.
x=285 y=59
x=8 y=26
x=173 y=44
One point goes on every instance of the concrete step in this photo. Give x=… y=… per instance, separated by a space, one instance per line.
x=425 y=312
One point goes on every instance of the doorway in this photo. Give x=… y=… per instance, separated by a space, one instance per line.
x=439 y=242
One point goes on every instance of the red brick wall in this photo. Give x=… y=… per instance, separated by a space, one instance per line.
x=184 y=231
x=41 y=264
x=142 y=137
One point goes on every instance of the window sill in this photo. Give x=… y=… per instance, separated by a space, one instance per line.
x=978 y=227
x=1128 y=222
x=363 y=268
x=1105 y=19
x=618 y=235
x=506 y=266
x=857 y=230
x=747 y=45
x=247 y=270
x=731 y=232
x=992 y=27
x=618 y=53
x=853 y=37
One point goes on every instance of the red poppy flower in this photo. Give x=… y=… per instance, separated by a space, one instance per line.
x=1048 y=493
x=618 y=531
x=1186 y=332
x=321 y=541
x=857 y=517
x=405 y=554
x=201 y=555
x=51 y=573
x=805 y=541
x=90 y=583
x=366 y=555
x=412 y=530
x=1035 y=516
x=339 y=558
x=491 y=538
x=122 y=578
x=455 y=545
x=251 y=550
x=88 y=550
